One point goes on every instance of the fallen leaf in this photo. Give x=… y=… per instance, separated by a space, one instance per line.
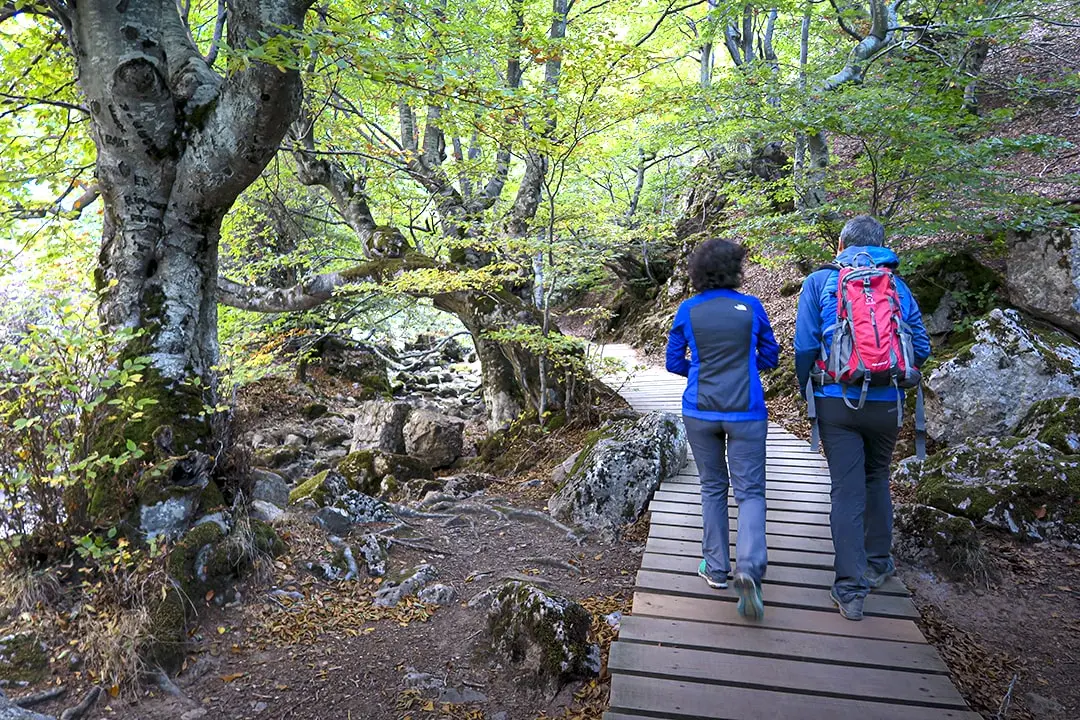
x=114 y=691
x=209 y=595
x=233 y=676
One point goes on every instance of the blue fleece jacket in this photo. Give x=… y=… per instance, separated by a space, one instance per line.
x=817 y=312
x=730 y=339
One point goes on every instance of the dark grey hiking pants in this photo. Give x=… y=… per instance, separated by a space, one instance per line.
x=859 y=446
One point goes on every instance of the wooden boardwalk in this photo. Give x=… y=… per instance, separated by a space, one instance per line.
x=685 y=652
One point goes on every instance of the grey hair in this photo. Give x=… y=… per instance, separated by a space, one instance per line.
x=862 y=231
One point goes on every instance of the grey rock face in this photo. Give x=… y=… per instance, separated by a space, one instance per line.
x=269 y=486
x=363 y=508
x=988 y=388
x=1043 y=275
x=265 y=511
x=170 y=517
x=378 y=426
x=437 y=594
x=335 y=521
x=611 y=482
x=434 y=438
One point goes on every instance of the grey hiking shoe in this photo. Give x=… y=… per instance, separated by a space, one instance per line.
x=750 y=604
x=851 y=609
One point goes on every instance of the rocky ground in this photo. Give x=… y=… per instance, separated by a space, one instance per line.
x=423 y=574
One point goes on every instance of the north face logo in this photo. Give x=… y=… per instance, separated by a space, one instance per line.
x=742 y=307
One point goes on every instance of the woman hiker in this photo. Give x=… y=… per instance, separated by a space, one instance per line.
x=730 y=341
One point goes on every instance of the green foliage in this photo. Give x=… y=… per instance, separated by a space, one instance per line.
x=63 y=393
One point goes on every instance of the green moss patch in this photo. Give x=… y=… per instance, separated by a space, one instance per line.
x=23 y=658
x=1055 y=422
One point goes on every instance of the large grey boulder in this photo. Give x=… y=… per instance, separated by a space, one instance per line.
x=612 y=480
x=988 y=387
x=379 y=425
x=1043 y=274
x=269 y=487
x=930 y=537
x=408 y=583
x=434 y=438
x=1018 y=485
x=544 y=636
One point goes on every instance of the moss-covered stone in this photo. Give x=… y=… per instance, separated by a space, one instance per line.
x=276 y=457
x=1019 y=485
x=23 y=659
x=1055 y=422
x=266 y=539
x=167 y=643
x=952 y=288
x=359 y=470
x=211 y=498
x=320 y=488
x=933 y=538
x=314 y=410
x=543 y=635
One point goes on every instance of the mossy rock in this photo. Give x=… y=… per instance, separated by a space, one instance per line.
x=1018 y=485
x=276 y=457
x=167 y=646
x=545 y=636
x=313 y=410
x=23 y=658
x=322 y=488
x=1055 y=422
x=951 y=287
x=359 y=470
x=933 y=538
x=201 y=547
x=266 y=540
x=211 y=498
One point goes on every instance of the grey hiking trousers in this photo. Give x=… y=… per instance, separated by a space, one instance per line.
x=859 y=446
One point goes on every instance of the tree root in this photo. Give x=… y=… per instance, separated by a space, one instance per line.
x=414 y=545
x=519 y=514
x=37 y=698
x=83 y=707
x=553 y=562
x=392 y=530
x=402 y=511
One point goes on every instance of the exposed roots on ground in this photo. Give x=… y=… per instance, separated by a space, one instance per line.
x=83 y=707
x=29 y=701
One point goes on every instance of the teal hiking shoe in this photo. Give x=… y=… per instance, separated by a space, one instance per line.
x=851 y=609
x=714 y=582
x=751 y=605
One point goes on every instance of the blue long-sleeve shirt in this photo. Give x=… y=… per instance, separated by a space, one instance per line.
x=730 y=340
x=817 y=313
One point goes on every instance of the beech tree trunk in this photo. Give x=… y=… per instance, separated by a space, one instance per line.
x=176 y=144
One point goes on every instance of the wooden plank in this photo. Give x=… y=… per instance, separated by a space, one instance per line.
x=775 y=595
x=751 y=640
x=694 y=499
x=775 y=575
x=788 y=516
x=775 y=542
x=771 y=527
x=823 y=622
x=778 y=556
x=808 y=498
x=783 y=674
x=668 y=698
x=822 y=485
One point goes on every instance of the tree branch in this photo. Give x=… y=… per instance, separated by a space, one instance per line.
x=219 y=28
x=316 y=290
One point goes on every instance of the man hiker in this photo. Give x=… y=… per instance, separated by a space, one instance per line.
x=859 y=341
x=730 y=340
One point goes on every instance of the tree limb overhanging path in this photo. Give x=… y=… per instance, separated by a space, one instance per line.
x=685 y=653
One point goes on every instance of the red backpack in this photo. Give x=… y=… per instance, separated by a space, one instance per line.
x=871 y=344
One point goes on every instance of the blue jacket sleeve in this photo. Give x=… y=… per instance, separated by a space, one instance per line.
x=913 y=317
x=677 y=362
x=808 y=329
x=768 y=352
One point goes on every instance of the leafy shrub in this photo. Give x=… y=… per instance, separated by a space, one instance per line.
x=65 y=392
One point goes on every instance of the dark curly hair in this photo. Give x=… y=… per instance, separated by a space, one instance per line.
x=715 y=264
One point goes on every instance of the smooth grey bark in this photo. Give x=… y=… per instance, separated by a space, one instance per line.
x=176 y=143
x=800 y=136
x=877 y=40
